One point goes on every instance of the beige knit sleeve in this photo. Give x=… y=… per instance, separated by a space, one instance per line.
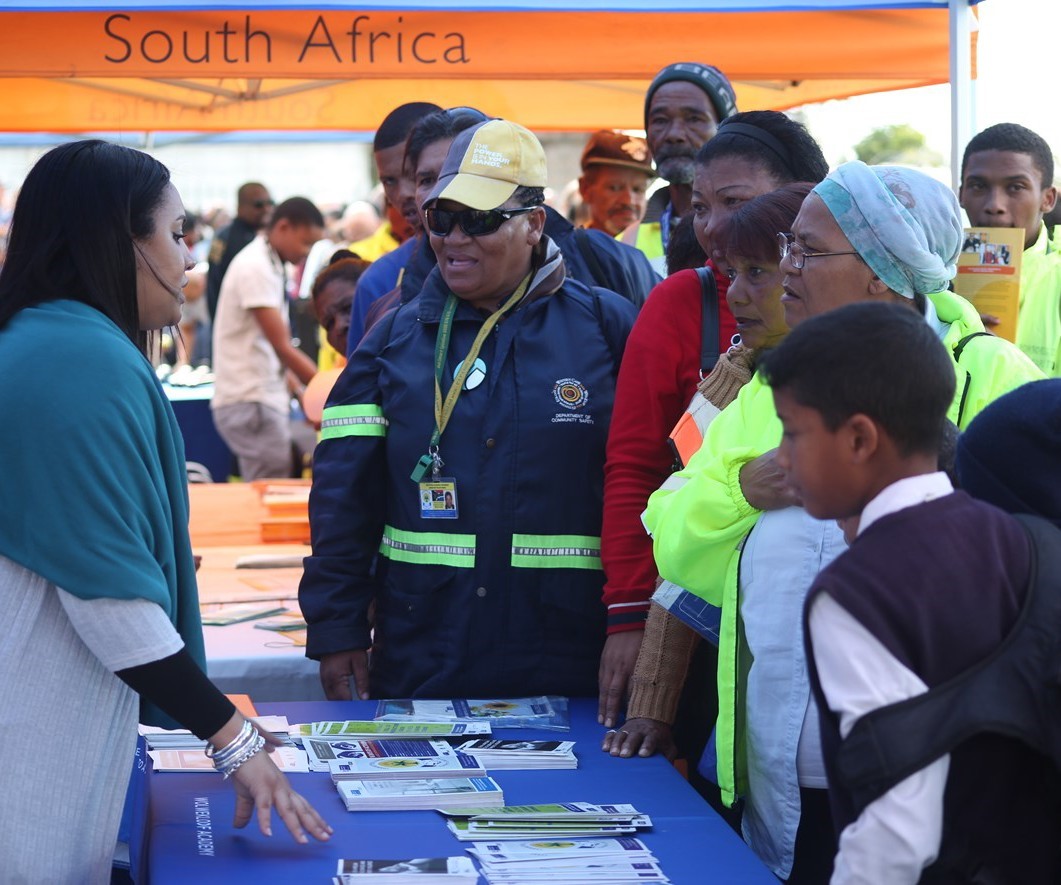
x=662 y=665
x=668 y=644
x=732 y=371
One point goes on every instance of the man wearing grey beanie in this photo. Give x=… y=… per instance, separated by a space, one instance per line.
x=683 y=106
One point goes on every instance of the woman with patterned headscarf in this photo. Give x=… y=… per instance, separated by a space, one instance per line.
x=864 y=233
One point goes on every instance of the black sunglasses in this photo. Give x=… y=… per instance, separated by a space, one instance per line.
x=474 y=222
x=261 y=204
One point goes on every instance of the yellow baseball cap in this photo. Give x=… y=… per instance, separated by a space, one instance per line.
x=487 y=163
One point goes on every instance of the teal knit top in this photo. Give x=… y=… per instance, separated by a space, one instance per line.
x=93 y=490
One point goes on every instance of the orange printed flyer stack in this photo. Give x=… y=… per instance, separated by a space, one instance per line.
x=989 y=274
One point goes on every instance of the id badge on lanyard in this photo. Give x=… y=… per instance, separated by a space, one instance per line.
x=438 y=493
x=438 y=498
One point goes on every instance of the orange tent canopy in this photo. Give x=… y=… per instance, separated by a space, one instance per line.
x=210 y=67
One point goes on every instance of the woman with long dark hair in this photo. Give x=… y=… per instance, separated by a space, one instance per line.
x=96 y=569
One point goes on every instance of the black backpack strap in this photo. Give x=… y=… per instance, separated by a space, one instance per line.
x=891 y=743
x=596 y=269
x=959 y=348
x=709 y=326
x=614 y=347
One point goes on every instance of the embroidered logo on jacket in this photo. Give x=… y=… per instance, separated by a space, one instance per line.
x=572 y=395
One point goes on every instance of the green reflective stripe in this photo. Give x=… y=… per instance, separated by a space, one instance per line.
x=556 y=551
x=428 y=548
x=339 y=421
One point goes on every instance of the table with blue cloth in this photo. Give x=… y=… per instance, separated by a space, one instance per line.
x=188 y=833
x=202 y=443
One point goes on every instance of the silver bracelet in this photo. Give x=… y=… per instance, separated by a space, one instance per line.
x=223 y=757
x=242 y=737
x=230 y=766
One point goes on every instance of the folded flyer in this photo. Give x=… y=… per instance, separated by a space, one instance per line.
x=562 y=821
x=382 y=730
x=323 y=753
x=387 y=794
x=546 y=712
x=414 y=870
x=502 y=754
x=459 y=765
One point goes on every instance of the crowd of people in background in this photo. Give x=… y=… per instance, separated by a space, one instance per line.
x=729 y=372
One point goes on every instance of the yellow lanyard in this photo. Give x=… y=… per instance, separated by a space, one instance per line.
x=444 y=408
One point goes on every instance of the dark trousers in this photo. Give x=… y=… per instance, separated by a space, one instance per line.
x=815 y=840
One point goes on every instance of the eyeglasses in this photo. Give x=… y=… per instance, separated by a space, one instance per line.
x=262 y=204
x=474 y=222
x=798 y=255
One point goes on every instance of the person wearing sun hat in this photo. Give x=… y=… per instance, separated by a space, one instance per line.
x=616 y=173
x=684 y=105
x=481 y=492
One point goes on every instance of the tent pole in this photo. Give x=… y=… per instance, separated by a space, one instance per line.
x=962 y=112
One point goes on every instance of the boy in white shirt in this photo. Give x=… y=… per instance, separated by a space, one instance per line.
x=932 y=584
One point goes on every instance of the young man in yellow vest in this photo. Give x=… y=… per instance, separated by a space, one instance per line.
x=1007 y=181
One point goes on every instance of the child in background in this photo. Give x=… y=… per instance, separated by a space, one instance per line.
x=1007 y=181
x=931 y=585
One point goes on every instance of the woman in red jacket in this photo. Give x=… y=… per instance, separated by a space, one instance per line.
x=751 y=154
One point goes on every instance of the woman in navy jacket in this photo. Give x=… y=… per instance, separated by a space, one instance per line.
x=500 y=593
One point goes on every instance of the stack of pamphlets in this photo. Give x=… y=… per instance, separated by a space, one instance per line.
x=381 y=731
x=287 y=506
x=363 y=760
x=237 y=613
x=537 y=712
x=414 y=871
x=567 y=861
x=498 y=754
x=403 y=794
x=180 y=750
x=182 y=739
x=285 y=758
x=569 y=820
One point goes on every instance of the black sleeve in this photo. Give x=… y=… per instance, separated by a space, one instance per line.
x=183 y=691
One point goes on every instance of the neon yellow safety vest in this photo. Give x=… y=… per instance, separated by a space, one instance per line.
x=1039 y=321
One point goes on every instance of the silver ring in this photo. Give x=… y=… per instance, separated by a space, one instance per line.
x=624 y=732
